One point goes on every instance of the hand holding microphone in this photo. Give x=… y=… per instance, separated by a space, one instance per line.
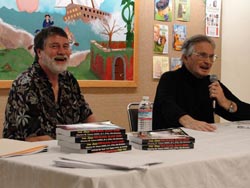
x=213 y=78
x=217 y=94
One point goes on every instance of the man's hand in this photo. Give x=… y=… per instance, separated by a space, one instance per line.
x=38 y=138
x=188 y=122
x=217 y=93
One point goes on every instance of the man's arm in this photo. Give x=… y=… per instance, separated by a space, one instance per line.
x=229 y=106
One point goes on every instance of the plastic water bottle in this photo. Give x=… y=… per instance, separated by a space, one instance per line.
x=145 y=115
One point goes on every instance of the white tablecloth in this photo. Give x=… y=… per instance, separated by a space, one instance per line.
x=219 y=160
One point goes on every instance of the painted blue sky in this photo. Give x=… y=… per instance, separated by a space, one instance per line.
x=91 y=30
x=48 y=5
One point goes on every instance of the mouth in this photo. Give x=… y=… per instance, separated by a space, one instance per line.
x=60 y=58
x=206 y=68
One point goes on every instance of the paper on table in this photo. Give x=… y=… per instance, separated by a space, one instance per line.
x=75 y=164
x=114 y=160
x=11 y=148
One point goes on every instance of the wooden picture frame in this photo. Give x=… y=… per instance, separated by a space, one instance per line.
x=110 y=82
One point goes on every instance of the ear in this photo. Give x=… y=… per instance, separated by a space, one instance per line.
x=38 y=52
x=184 y=57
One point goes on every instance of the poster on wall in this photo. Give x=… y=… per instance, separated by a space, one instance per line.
x=101 y=34
x=182 y=10
x=175 y=63
x=180 y=34
x=213 y=15
x=160 y=65
x=163 y=10
x=160 y=39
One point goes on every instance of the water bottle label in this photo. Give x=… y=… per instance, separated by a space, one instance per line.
x=145 y=120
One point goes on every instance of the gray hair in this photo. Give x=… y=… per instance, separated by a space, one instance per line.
x=188 y=45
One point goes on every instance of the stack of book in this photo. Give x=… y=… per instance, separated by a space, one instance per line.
x=173 y=138
x=92 y=138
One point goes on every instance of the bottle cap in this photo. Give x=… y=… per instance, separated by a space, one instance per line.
x=145 y=97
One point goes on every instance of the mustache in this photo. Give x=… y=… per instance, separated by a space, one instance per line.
x=60 y=58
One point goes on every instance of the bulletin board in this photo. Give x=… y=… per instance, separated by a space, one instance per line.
x=176 y=20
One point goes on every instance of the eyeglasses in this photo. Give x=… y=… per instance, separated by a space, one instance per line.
x=203 y=55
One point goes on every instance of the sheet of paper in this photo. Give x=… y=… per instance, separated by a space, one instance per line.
x=11 y=148
x=115 y=160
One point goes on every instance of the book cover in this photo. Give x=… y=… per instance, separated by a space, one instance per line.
x=160 y=65
x=180 y=34
x=182 y=10
x=86 y=128
x=163 y=10
x=91 y=138
x=161 y=40
x=170 y=135
x=175 y=63
x=173 y=146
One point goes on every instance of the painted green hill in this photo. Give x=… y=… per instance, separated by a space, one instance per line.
x=15 y=61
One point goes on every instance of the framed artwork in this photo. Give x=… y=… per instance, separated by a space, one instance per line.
x=102 y=35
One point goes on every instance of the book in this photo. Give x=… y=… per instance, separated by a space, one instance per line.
x=160 y=45
x=171 y=135
x=160 y=65
x=162 y=146
x=11 y=148
x=91 y=145
x=89 y=128
x=175 y=63
x=91 y=138
x=109 y=149
x=180 y=33
x=182 y=10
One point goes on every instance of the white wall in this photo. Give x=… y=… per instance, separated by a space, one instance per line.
x=235 y=67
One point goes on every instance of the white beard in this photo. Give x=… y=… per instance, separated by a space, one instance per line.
x=51 y=64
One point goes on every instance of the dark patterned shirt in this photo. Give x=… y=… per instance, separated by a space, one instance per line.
x=31 y=109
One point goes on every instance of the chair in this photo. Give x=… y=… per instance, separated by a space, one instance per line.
x=132 y=110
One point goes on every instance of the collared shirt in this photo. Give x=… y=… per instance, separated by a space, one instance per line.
x=31 y=109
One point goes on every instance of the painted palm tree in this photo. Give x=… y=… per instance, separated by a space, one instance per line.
x=128 y=17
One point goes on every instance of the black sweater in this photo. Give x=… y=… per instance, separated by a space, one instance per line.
x=180 y=93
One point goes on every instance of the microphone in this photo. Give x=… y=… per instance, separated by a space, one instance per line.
x=213 y=78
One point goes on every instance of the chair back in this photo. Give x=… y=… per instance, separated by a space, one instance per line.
x=132 y=110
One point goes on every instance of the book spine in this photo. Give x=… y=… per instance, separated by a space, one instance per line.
x=92 y=145
x=167 y=146
x=110 y=149
x=86 y=132
x=96 y=138
x=99 y=140
x=170 y=140
x=103 y=144
x=100 y=137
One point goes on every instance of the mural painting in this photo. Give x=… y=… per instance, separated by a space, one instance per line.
x=101 y=35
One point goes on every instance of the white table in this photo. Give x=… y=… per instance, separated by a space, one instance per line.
x=219 y=160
